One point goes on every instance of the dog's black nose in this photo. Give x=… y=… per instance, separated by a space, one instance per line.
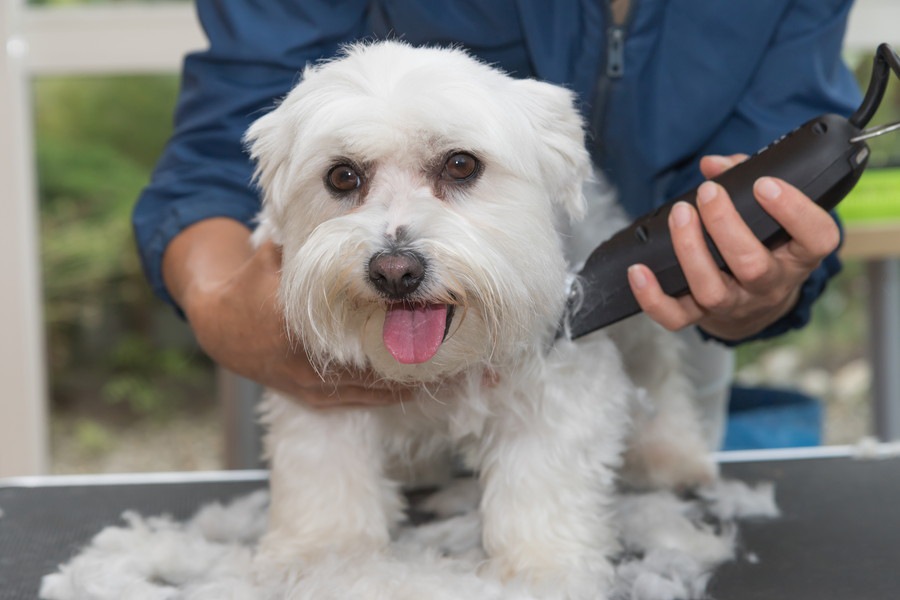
x=396 y=274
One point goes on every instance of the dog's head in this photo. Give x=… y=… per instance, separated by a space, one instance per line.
x=416 y=194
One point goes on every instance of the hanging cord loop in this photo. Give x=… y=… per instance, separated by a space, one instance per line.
x=886 y=60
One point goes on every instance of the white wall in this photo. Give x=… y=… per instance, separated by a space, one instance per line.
x=46 y=41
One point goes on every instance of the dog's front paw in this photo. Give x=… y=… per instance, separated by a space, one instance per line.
x=553 y=582
x=274 y=564
x=280 y=557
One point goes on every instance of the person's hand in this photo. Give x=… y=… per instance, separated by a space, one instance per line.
x=229 y=295
x=764 y=285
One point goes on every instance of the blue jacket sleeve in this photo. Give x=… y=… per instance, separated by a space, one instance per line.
x=256 y=52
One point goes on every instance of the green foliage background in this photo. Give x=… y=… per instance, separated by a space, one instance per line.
x=839 y=325
x=97 y=141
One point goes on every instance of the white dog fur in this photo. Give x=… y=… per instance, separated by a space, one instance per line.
x=547 y=426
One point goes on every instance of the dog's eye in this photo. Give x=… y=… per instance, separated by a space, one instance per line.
x=461 y=167
x=343 y=178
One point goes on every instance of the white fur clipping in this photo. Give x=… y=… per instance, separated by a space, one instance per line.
x=668 y=553
x=731 y=500
x=870 y=448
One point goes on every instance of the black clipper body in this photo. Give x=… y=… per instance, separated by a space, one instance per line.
x=817 y=158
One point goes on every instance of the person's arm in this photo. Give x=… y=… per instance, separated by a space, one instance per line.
x=193 y=222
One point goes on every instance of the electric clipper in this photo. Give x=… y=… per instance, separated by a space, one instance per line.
x=824 y=158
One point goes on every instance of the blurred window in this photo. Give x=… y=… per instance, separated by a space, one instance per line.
x=129 y=389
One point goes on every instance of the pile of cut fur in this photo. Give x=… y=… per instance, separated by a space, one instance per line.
x=669 y=548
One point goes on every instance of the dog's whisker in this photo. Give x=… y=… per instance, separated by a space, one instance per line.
x=431 y=394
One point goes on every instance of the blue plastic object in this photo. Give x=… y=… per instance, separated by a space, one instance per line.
x=772 y=418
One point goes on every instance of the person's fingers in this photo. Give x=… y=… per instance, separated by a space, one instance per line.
x=714 y=165
x=814 y=233
x=672 y=313
x=709 y=286
x=336 y=387
x=301 y=374
x=328 y=395
x=352 y=396
x=367 y=379
x=748 y=259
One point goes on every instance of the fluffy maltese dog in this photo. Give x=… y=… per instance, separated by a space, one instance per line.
x=431 y=210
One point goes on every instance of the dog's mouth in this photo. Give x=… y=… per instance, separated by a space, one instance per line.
x=413 y=332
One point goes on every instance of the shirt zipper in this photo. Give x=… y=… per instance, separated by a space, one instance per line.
x=614 y=68
x=615 y=40
x=615 y=52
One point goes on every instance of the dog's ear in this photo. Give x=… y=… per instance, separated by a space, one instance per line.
x=268 y=140
x=565 y=164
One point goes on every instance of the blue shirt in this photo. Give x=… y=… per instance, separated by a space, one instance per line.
x=678 y=80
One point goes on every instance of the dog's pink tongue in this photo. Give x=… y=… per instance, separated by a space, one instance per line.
x=414 y=332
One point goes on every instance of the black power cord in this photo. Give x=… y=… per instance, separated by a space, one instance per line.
x=886 y=60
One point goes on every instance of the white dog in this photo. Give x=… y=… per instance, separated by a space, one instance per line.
x=424 y=202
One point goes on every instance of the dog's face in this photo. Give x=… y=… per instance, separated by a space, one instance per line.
x=416 y=195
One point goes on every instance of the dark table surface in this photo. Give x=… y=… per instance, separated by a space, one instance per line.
x=838 y=537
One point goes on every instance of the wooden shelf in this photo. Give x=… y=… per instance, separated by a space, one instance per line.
x=871 y=240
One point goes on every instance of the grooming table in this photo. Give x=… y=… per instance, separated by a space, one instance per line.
x=838 y=537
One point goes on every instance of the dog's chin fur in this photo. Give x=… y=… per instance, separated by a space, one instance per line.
x=543 y=424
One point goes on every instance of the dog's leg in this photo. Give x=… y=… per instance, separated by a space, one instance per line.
x=548 y=468
x=329 y=491
x=667 y=447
